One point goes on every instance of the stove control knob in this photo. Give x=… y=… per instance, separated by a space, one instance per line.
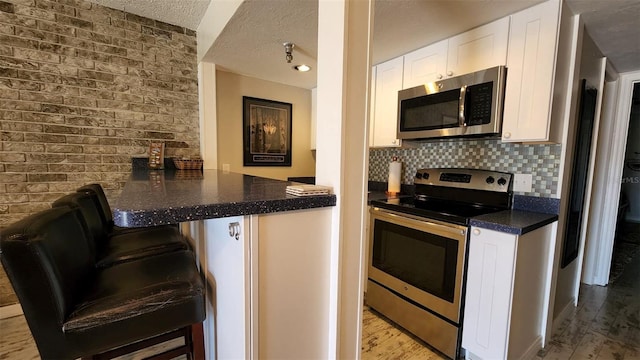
x=425 y=176
x=418 y=175
x=490 y=180
x=502 y=181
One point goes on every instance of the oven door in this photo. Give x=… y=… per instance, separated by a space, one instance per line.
x=419 y=259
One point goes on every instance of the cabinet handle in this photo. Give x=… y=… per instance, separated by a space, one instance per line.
x=234 y=230
x=476 y=232
x=449 y=73
x=394 y=142
x=439 y=76
x=506 y=135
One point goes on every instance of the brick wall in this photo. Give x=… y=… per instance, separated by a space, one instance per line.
x=83 y=88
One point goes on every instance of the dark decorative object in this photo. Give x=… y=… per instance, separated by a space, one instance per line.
x=580 y=171
x=267 y=132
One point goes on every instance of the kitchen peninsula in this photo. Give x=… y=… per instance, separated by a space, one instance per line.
x=264 y=254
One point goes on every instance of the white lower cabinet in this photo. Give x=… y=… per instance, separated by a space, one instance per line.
x=227 y=264
x=507 y=293
x=267 y=279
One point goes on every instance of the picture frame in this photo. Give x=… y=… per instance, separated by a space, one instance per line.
x=156 y=155
x=267 y=132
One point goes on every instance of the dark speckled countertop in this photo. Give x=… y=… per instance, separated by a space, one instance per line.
x=158 y=197
x=518 y=222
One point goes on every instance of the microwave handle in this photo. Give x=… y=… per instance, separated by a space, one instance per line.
x=463 y=94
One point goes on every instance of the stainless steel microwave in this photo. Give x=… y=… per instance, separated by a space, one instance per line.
x=465 y=105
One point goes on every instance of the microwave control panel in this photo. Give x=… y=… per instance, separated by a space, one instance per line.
x=479 y=102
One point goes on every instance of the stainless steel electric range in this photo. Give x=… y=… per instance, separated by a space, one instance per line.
x=418 y=247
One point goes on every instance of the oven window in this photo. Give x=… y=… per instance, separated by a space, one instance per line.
x=421 y=259
x=430 y=112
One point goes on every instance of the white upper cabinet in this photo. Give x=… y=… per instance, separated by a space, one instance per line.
x=477 y=49
x=531 y=64
x=425 y=65
x=388 y=82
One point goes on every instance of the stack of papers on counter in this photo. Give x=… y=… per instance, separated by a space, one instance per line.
x=308 y=190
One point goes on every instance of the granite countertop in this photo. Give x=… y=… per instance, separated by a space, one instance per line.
x=156 y=197
x=518 y=222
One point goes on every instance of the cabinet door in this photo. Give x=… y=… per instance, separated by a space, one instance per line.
x=228 y=261
x=479 y=48
x=490 y=275
x=385 y=117
x=531 y=65
x=425 y=65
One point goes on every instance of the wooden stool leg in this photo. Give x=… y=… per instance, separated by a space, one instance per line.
x=197 y=341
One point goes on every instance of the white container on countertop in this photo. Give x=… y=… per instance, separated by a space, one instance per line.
x=395 y=171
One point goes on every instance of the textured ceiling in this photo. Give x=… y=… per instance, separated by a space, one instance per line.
x=185 y=13
x=251 y=43
x=614 y=26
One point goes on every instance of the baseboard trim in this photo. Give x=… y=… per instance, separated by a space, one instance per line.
x=532 y=351
x=565 y=313
x=10 y=311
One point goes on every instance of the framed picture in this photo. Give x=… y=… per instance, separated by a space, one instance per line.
x=267 y=132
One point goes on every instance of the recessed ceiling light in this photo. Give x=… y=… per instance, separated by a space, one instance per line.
x=302 y=68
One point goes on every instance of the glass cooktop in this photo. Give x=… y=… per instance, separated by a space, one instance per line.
x=447 y=211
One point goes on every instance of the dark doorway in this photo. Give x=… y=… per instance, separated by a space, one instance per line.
x=627 y=236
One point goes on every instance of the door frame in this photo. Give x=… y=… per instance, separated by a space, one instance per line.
x=598 y=262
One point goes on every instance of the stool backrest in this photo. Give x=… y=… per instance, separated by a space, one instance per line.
x=102 y=198
x=88 y=204
x=49 y=264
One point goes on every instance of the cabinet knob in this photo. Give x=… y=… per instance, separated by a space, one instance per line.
x=476 y=232
x=439 y=76
x=394 y=142
x=449 y=73
x=506 y=135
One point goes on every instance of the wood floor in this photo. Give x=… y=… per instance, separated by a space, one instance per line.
x=16 y=343
x=605 y=325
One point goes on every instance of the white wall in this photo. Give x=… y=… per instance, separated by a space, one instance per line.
x=591 y=68
x=344 y=38
x=597 y=258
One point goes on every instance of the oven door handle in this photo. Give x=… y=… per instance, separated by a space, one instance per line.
x=420 y=223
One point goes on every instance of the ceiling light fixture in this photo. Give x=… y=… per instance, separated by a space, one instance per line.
x=288 y=49
x=302 y=68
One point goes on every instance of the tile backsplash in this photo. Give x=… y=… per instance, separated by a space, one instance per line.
x=542 y=161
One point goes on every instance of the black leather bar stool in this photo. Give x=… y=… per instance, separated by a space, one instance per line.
x=116 y=247
x=75 y=309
